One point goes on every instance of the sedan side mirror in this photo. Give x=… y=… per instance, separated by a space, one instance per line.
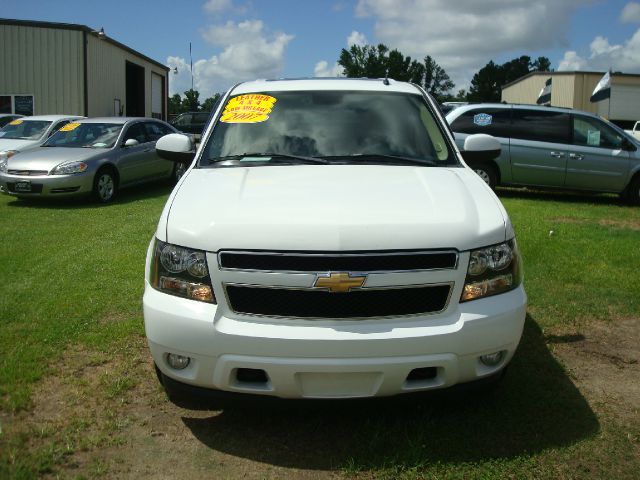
x=176 y=147
x=480 y=148
x=132 y=142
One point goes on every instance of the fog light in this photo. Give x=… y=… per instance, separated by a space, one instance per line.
x=492 y=359
x=177 y=362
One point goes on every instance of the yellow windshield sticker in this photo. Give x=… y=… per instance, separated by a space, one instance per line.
x=250 y=108
x=69 y=126
x=16 y=122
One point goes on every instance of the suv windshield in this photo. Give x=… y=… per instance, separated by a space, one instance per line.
x=337 y=126
x=24 y=129
x=85 y=135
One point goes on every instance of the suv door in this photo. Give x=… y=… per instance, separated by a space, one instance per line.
x=539 y=144
x=596 y=159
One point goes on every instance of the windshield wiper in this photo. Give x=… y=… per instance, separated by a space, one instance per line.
x=382 y=158
x=271 y=156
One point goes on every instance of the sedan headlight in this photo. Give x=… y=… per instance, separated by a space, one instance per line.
x=69 y=168
x=181 y=271
x=492 y=270
x=3 y=164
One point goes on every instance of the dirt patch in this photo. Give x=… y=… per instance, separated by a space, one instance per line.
x=604 y=361
x=105 y=415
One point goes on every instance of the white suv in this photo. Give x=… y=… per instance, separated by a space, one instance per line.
x=328 y=241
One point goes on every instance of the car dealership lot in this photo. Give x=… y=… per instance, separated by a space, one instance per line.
x=78 y=398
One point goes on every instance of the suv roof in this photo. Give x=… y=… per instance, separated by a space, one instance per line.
x=362 y=84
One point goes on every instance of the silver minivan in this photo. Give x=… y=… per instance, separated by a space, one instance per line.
x=552 y=147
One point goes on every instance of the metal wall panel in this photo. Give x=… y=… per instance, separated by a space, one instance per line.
x=46 y=63
x=107 y=79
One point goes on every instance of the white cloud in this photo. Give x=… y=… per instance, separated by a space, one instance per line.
x=462 y=36
x=572 y=61
x=322 y=69
x=248 y=52
x=180 y=79
x=630 y=13
x=356 y=38
x=622 y=57
x=217 y=6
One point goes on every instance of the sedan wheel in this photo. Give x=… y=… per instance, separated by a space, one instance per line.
x=104 y=188
x=487 y=174
x=178 y=171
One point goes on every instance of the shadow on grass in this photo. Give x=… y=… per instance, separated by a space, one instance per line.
x=125 y=196
x=562 y=196
x=536 y=407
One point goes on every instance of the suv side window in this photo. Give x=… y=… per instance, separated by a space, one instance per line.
x=591 y=132
x=541 y=126
x=156 y=130
x=136 y=131
x=492 y=121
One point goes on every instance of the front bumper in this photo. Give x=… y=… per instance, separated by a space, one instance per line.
x=332 y=359
x=48 y=185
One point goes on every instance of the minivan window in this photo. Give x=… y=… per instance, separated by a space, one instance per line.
x=336 y=125
x=591 y=132
x=492 y=121
x=541 y=126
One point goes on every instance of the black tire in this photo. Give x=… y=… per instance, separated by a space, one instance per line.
x=633 y=191
x=178 y=171
x=105 y=185
x=487 y=173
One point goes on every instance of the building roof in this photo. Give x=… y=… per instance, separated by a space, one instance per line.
x=82 y=28
x=567 y=72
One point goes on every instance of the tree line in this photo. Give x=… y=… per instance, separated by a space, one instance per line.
x=369 y=61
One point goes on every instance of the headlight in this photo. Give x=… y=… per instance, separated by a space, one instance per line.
x=69 y=168
x=3 y=164
x=492 y=270
x=7 y=154
x=182 y=272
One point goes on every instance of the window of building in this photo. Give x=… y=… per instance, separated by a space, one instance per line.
x=18 y=104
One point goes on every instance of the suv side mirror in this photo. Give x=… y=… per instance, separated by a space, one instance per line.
x=131 y=142
x=176 y=147
x=480 y=148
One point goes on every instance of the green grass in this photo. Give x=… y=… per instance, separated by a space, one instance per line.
x=72 y=276
x=71 y=272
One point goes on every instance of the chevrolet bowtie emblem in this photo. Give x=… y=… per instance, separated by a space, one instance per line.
x=339 y=282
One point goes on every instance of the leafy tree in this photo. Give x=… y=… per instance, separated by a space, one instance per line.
x=191 y=102
x=370 y=61
x=486 y=84
x=436 y=81
x=209 y=104
x=175 y=104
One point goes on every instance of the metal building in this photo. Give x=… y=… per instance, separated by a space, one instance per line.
x=573 y=89
x=63 y=68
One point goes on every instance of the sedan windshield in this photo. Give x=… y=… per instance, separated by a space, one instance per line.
x=85 y=135
x=336 y=126
x=24 y=129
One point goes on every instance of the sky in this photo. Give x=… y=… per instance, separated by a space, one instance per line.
x=238 y=40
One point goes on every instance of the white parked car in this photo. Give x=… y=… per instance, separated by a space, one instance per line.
x=328 y=241
x=29 y=132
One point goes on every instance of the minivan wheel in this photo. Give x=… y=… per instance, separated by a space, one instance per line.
x=178 y=171
x=633 y=192
x=487 y=173
x=104 y=185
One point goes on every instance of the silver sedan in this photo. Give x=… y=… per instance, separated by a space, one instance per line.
x=95 y=156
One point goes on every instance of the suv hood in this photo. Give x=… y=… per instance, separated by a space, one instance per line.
x=333 y=207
